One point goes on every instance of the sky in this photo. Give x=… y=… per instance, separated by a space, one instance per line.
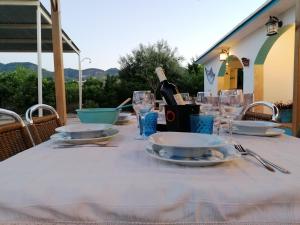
x=105 y=30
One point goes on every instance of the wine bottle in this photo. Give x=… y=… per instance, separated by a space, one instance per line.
x=168 y=90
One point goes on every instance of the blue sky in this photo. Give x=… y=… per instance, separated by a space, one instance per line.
x=104 y=30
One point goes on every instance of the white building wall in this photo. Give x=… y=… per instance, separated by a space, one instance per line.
x=279 y=69
x=248 y=48
x=213 y=88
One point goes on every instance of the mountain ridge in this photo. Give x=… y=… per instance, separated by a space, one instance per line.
x=70 y=73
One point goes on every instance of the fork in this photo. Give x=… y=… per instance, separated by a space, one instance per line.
x=245 y=152
x=279 y=168
x=96 y=144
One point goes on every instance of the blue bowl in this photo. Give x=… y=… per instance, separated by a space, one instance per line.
x=98 y=115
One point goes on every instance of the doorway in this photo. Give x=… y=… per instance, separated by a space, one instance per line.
x=234 y=76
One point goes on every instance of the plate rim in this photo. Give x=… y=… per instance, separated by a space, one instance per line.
x=271 y=124
x=53 y=137
x=150 y=139
x=108 y=126
x=190 y=162
x=279 y=132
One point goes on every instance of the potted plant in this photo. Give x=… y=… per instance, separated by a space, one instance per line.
x=285 y=111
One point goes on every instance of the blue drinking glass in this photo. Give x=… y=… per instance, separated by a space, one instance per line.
x=148 y=124
x=202 y=124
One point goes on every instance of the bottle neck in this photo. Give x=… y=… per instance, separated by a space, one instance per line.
x=161 y=75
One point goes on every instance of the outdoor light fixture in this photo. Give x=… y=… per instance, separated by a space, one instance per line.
x=272 y=25
x=80 y=81
x=224 y=54
x=245 y=61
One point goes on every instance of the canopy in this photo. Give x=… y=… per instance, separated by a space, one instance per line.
x=18 y=28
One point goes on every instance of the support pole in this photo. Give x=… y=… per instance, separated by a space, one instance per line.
x=39 y=57
x=80 y=81
x=58 y=61
x=296 y=99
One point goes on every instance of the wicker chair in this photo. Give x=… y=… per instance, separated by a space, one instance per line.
x=42 y=127
x=14 y=136
x=247 y=114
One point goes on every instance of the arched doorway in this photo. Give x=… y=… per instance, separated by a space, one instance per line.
x=231 y=74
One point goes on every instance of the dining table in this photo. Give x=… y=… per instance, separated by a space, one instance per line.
x=123 y=185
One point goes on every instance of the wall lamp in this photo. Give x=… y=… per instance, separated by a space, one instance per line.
x=224 y=55
x=272 y=25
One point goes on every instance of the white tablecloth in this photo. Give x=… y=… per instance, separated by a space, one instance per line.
x=123 y=185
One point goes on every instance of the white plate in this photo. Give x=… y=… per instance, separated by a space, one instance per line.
x=254 y=126
x=64 y=138
x=186 y=140
x=124 y=118
x=83 y=127
x=268 y=133
x=228 y=153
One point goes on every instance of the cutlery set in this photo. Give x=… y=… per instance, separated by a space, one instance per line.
x=266 y=163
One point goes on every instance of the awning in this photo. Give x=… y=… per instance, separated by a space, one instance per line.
x=18 y=28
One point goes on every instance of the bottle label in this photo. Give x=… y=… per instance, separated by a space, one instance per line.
x=179 y=99
x=160 y=73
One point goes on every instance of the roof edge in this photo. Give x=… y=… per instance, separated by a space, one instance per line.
x=267 y=5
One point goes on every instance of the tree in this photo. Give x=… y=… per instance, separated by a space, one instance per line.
x=193 y=80
x=137 y=69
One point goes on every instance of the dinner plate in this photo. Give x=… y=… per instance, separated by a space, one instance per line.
x=83 y=127
x=273 y=132
x=223 y=154
x=254 y=126
x=124 y=118
x=65 y=138
x=186 y=140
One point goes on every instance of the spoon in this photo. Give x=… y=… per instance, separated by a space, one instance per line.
x=123 y=103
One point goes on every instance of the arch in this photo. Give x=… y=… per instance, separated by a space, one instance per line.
x=268 y=44
x=230 y=75
x=222 y=69
x=260 y=60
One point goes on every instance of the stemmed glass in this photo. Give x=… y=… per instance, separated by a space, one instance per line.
x=186 y=98
x=209 y=105
x=231 y=106
x=142 y=102
x=203 y=99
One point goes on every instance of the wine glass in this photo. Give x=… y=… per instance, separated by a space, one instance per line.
x=231 y=106
x=186 y=98
x=142 y=102
x=203 y=100
x=137 y=100
x=231 y=92
x=209 y=105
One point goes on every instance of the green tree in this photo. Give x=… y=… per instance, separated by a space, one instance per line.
x=192 y=80
x=72 y=95
x=18 y=89
x=49 y=91
x=92 y=91
x=137 y=69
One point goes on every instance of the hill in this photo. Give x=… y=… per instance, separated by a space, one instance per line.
x=70 y=74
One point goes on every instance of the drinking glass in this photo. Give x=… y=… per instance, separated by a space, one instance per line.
x=231 y=106
x=202 y=123
x=142 y=102
x=231 y=92
x=186 y=98
x=138 y=100
x=203 y=100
